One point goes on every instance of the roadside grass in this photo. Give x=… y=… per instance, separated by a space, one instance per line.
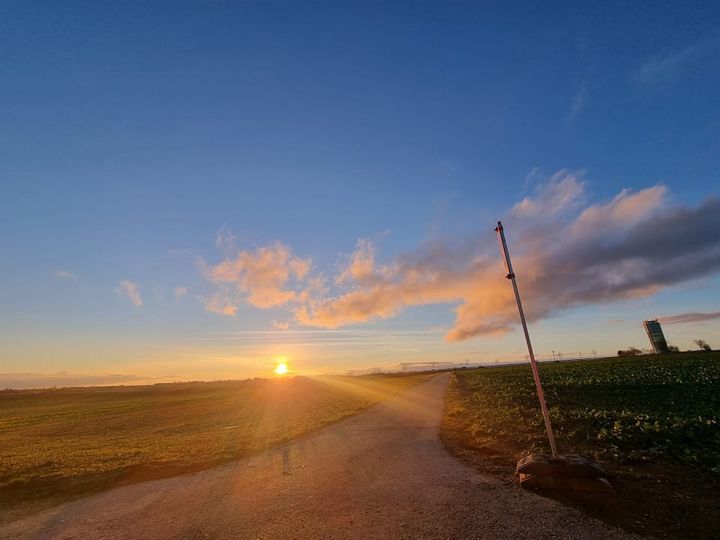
x=653 y=421
x=62 y=443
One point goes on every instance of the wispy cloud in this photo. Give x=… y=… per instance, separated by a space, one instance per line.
x=669 y=65
x=180 y=291
x=690 y=317
x=221 y=302
x=225 y=240
x=567 y=253
x=64 y=274
x=561 y=193
x=338 y=339
x=578 y=103
x=280 y=325
x=130 y=290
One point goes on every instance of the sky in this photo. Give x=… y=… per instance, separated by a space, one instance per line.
x=191 y=190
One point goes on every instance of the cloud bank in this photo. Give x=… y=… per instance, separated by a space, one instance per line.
x=566 y=253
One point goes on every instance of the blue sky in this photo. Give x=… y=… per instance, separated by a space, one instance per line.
x=131 y=135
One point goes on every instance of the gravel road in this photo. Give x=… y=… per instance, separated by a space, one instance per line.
x=380 y=474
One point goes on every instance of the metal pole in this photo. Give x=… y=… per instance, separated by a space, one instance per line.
x=536 y=375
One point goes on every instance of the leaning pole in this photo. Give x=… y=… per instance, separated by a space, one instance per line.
x=536 y=375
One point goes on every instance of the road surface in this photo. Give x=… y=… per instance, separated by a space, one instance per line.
x=380 y=474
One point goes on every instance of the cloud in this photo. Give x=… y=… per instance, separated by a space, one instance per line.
x=689 y=317
x=670 y=65
x=131 y=290
x=220 y=303
x=605 y=253
x=561 y=193
x=180 y=291
x=260 y=278
x=578 y=103
x=280 y=325
x=64 y=274
x=566 y=253
x=225 y=240
x=625 y=210
x=359 y=266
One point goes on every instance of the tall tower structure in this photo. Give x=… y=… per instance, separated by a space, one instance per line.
x=655 y=335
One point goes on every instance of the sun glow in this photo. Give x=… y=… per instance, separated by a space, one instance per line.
x=281 y=368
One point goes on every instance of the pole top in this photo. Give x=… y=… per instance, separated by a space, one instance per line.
x=499 y=227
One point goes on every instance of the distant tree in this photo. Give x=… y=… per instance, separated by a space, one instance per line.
x=673 y=348
x=630 y=351
x=702 y=344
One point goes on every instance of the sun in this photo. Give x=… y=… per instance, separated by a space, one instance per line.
x=281 y=368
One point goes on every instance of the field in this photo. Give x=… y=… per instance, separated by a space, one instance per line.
x=56 y=444
x=653 y=421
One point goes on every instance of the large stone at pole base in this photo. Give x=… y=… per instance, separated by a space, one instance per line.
x=565 y=465
x=569 y=472
x=566 y=483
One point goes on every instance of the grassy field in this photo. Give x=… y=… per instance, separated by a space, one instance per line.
x=61 y=443
x=652 y=420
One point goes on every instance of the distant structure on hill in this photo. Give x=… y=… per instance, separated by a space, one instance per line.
x=656 y=336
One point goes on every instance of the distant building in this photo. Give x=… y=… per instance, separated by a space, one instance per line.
x=656 y=336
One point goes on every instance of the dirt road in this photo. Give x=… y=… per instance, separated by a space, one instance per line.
x=381 y=474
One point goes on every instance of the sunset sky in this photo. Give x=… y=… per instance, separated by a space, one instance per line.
x=191 y=190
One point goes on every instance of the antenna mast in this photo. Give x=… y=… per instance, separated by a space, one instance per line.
x=536 y=375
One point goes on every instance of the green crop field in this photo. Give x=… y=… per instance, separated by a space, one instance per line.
x=61 y=443
x=652 y=420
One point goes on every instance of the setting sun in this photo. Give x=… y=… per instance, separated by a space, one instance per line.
x=281 y=368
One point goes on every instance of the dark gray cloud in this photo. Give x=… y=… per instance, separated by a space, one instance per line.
x=670 y=246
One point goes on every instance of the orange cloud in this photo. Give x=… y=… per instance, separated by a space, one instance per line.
x=564 y=256
x=180 y=291
x=361 y=264
x=220 y=303
x=260 y=277
x=477 y=285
